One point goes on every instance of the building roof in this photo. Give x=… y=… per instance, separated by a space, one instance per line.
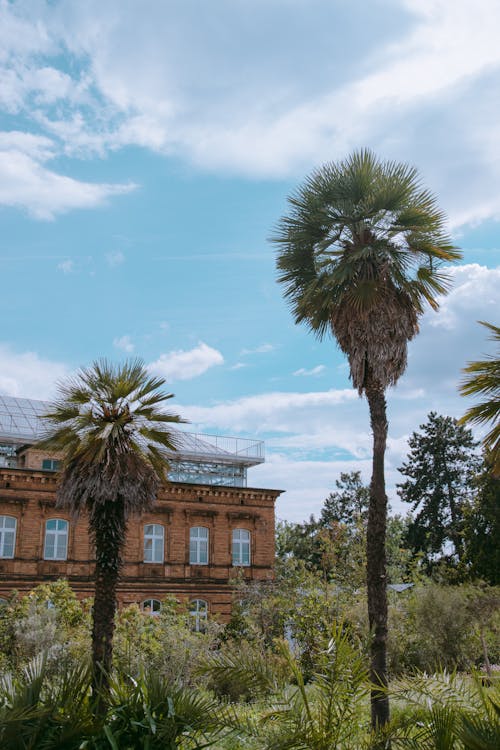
x=21 y=423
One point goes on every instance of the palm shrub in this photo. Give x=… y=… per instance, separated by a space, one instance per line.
x=445 y=711
x=41 y=711
x=149 y=713
x=328 y=712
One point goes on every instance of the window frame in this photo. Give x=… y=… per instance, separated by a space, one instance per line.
x=237 y=546
x=55 y=464
x=4 y=530
x=199 y=615
x=57 y=534
x=196 y=544
x=151 y=602
x=154 y=538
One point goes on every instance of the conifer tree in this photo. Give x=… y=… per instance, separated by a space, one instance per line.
x=440 y=470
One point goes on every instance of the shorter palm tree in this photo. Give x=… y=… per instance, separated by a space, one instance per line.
x=483 y=379
x=109 y=425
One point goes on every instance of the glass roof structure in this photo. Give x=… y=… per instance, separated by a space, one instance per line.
x=207 y=459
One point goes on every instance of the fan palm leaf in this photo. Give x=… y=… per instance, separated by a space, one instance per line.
x=482 y=378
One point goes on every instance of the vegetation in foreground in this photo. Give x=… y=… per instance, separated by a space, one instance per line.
x=245 y=685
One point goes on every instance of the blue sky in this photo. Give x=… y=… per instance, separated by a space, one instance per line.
x=146 y=152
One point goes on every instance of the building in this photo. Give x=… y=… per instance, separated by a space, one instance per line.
x=207 y=524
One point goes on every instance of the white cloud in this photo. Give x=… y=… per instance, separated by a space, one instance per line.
x=231 y=97
x=286 y=412
x=124 y=343
x=262 y=349
x=27 y=375
x=114 y=258
x=39 y=147
x=304 y=372
x=26 y=183
x=184 y=365
x=66 y=266
x=238 y=366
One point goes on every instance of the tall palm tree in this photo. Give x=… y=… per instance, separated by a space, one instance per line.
x=110 y=428
x=482 y=378
x=359 y=255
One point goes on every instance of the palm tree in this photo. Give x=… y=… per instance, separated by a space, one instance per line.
x=359 y=256
x=483 y=379
x=109 y=426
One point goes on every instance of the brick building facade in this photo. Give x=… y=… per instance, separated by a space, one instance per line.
x=191 y=545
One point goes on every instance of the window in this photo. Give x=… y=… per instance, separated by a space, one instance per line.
x=198 y=546
x=151 y=606
x=56 y=539
x=198 y=609
x=51 y=464
x=7 y=536
x=153 y=543
x=241 y=547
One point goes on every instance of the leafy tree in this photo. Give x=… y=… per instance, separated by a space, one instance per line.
x=359 y=256
x=349 y=502
x=300 y=541
x=441 y=466
x=481 y=529
x=483 y=379
x=334 y=545
x=110 y=427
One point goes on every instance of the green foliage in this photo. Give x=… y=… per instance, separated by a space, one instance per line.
x=439 y=627
x=326 y=712
x=49 y=619
x=335 y=544
x=148 y=713
x=170 y=686
x=348 y=503
x=166 y=643
x=441 y=466
x=483 y=379
x=445 y=712
x=38 y=713
x=241 y=671
x=481 y=531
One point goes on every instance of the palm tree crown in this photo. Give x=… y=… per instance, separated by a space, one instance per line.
x=360 y=252
x=112 y=433
x=482 y=378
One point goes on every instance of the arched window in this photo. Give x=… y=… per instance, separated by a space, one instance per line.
x=241 y=547
x=198 y=609
x=198 y=545
x=56 y=539
x=154 y=535
x=7 y=536
x=151 y=606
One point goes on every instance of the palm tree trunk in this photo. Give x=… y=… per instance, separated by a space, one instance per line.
x=108 y=529
x=376 y=557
